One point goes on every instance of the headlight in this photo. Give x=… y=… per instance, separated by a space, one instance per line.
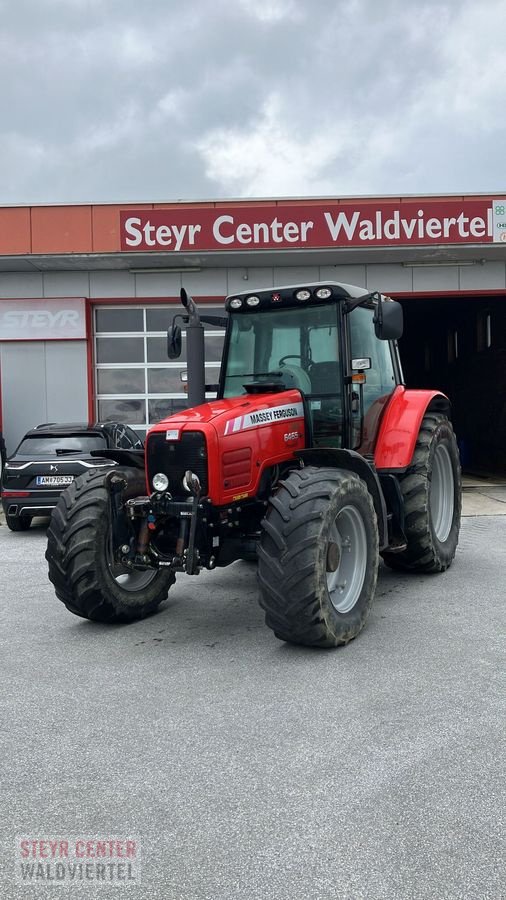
x=236 y=303
x=253 y=301
x=160 y=482
x=303 y=295
x=323 y=293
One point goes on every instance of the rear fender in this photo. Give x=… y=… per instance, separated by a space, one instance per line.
x=325 y=457
x=400 y=426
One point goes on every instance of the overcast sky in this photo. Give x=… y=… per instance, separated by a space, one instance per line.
x=124 y=100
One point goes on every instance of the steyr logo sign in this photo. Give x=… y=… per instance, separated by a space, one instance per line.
x=185 y=229
x=41 y=320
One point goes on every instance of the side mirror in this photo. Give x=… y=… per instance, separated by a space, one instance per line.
x=388 y=323
x=174 y=342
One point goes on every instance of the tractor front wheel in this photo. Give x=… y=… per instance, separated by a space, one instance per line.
x=432 y=493
x=318 y=557
x=82 y=555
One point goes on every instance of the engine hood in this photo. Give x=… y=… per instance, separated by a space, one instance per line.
x=244 y=437
x=219 y=412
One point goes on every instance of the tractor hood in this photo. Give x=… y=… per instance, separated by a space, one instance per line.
x=238 y=413
x=229 y=443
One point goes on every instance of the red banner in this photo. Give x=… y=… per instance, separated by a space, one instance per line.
x=184 y=229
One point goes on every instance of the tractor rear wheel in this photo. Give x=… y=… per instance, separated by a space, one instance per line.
x=431 y=488
x=318 y=557
x=81 y=555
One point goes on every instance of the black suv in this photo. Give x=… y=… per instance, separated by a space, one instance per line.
x=48 y=459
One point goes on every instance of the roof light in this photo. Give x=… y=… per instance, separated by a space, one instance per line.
x=303 y=295
x=236 y=303
x=323 y=293
x=252 y=301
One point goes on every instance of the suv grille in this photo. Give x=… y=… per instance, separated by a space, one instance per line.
x=175 y=457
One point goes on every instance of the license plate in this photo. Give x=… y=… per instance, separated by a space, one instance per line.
x=54 y=480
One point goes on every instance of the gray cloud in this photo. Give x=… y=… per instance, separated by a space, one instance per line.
x=120 y=100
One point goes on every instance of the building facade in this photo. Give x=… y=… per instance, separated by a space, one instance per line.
x=87 y=293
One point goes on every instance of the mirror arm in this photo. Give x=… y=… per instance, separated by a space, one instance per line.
x=350 y=305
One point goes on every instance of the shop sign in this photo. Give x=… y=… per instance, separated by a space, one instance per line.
x=281 y=227
x=42 y=320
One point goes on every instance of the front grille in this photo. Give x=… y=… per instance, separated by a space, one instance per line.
x=173 y=458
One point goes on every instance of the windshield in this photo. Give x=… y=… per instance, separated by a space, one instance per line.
x=50 y=444
x=298 y=346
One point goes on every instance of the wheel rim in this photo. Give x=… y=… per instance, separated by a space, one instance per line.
x=346 y=582
x=129 y=580
x=132 y=580
x=442 y=493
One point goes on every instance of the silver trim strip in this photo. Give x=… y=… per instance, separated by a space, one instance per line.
x=82 y=462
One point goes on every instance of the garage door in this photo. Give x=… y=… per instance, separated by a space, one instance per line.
x=135 y=382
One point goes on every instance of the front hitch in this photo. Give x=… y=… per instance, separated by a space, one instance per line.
x=192 y=484
x=157 y=509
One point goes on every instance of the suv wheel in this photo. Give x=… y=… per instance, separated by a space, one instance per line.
x=18 y=523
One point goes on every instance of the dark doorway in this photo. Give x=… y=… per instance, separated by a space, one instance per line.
x=458 y=345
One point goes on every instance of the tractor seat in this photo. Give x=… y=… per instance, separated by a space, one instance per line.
x=325 y=378
x=296 y=377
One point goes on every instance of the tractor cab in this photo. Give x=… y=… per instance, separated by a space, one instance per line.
x=323 y=341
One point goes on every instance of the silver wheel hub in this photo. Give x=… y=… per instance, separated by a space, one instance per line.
x=345 y=582
x=130 y=580
x=442 y=493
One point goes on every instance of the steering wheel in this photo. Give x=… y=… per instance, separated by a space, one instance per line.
x=289 y=356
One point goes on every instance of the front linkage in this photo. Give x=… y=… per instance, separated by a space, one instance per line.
x=183 y=535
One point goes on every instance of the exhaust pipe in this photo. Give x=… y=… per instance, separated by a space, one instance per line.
x=12 y=510
x=194 y=352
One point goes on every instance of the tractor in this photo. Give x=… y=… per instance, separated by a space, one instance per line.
x=314 y=461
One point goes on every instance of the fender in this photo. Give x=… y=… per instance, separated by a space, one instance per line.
x=354 y=462
x=400 y=426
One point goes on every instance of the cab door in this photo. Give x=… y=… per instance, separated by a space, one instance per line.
x=368 y=401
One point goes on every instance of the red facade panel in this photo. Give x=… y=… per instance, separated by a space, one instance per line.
x=61 y=229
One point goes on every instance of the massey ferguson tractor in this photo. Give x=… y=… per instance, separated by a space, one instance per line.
x=314 y=459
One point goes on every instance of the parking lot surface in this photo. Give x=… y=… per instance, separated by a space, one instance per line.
x=251 y=769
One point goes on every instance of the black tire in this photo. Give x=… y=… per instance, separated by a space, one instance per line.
x=77 y=555
x=432 y=492
x=18 y=523
x=299 y=566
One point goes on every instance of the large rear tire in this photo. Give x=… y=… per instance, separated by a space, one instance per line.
x=432 y=492
x=81 y=564
x=318 y=557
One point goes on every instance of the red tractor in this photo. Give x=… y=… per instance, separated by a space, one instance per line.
x=314 y=459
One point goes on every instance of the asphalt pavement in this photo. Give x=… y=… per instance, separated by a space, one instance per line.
x=250 y=769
